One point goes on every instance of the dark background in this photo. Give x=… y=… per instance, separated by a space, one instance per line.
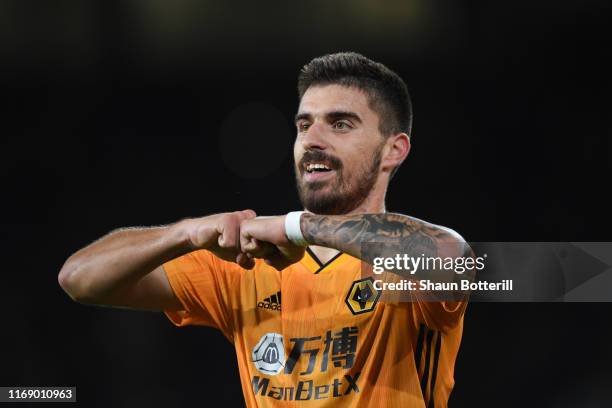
x=145 y=112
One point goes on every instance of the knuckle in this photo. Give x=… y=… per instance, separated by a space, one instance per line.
x=230 y=220
x=225 y=244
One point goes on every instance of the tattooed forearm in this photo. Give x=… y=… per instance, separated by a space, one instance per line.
x=398 y=233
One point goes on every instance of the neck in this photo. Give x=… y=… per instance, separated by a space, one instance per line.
x=373 y=204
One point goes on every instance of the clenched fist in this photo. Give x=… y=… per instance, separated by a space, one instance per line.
x=220 y=234
x=264 y=237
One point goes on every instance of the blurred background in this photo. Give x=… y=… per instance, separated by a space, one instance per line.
x=144 y=112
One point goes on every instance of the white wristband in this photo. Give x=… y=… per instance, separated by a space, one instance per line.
x=293 y=230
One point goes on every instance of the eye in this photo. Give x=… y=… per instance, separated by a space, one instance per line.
x=341 y=125
x=303 y=126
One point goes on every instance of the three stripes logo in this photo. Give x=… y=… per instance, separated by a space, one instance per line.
x=272 y=302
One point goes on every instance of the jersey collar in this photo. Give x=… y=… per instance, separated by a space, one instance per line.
x=313 y=263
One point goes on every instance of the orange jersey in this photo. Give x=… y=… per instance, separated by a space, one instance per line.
x=318 y=335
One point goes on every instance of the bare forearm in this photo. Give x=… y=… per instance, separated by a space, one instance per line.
x=121 y=258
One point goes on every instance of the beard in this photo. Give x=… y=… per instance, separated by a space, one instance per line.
x=340 y=195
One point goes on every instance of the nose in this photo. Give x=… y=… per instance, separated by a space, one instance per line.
x=314 y=137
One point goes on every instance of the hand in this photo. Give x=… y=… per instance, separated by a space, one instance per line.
x=264 y=237
x=220 y=234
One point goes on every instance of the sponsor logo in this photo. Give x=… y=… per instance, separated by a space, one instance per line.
x=308 y=355
x=337 y=348
x=362 y=296
x=269 y=354
x=307 y=390
x=271 y=303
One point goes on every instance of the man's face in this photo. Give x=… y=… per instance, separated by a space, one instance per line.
x=337 y=150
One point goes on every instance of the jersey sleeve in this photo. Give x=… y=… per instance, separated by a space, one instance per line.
x=208 y=289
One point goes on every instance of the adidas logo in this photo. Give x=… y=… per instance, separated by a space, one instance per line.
x=273 y=302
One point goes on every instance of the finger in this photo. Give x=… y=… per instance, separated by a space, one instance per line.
x=256 y=248
x=248 y=243
x=245 y=237
x=248 y=214
x=229 y=230
x=252 y=247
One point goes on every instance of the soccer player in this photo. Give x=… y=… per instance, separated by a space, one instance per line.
x=287 y=291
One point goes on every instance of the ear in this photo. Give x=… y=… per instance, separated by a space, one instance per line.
x=395 y=151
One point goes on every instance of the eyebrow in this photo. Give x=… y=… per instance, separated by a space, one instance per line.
x=303 y=115
x=330 y=116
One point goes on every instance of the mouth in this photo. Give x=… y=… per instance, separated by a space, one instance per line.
x=316 y=167
x=317 y=170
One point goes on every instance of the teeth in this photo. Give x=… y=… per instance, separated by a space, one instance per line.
x=313 y=166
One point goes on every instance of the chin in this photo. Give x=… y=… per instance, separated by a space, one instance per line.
x=328 y=204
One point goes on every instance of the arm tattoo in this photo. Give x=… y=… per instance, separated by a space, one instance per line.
x=396 y=231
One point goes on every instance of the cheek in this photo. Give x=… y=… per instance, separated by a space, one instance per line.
x=360 y=156
x=353 y=167
x=297 y=151
x=358 y=162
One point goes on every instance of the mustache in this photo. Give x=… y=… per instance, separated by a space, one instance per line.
x=319 y=156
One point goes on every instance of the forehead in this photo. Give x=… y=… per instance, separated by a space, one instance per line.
x=320 y=99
